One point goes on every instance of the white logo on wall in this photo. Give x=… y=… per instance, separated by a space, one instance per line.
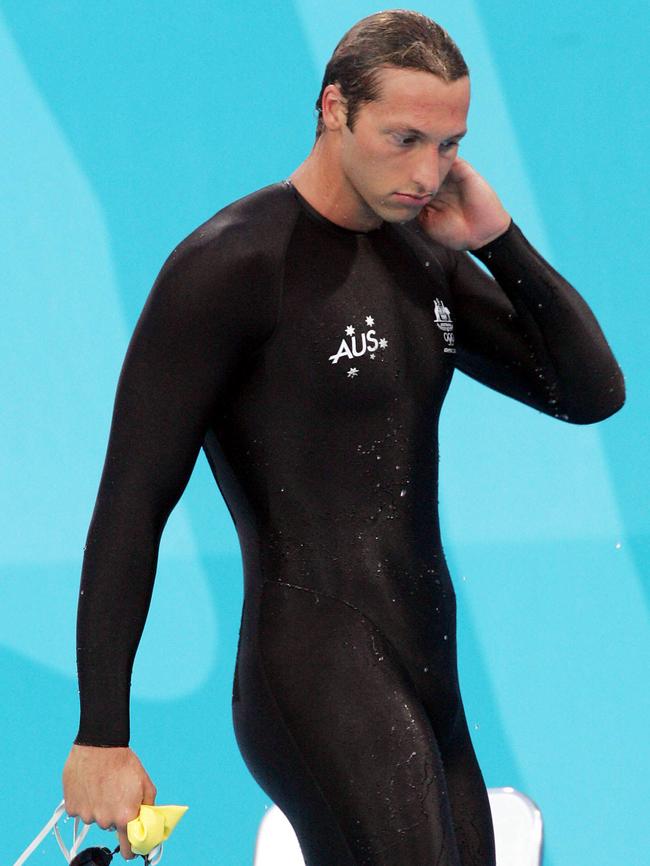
x=355 y=345
x=444 y=322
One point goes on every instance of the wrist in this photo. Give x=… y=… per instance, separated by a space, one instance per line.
x=495 y=235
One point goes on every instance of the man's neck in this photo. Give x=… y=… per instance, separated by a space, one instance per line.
x=320 y=180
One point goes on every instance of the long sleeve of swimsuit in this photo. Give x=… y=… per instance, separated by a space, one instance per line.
x=208 y=311
x=530 y=335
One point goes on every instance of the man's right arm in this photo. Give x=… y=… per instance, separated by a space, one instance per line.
x=204 y=315
x=209 y=309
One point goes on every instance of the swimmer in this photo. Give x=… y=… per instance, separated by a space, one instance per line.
x=305 y=337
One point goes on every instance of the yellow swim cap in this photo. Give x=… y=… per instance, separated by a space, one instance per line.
x=153 y=825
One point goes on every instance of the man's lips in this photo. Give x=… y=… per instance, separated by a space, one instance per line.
x=415 y=200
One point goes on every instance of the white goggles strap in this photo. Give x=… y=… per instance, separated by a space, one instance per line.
x=153 y=857
x=52 y=824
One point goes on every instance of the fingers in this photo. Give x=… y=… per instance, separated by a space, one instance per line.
x=149 y=794
x=125 y=847
x=460 y=169
x=105 y=822
x=74 y=811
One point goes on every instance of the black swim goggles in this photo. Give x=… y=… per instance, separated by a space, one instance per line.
x=94 y=857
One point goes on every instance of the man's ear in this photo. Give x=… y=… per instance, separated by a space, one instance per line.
x=334 y=107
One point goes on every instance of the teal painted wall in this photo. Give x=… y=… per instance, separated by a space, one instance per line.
x=124 y=126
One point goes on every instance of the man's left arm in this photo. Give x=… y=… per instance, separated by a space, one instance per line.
x=528 y=333
x=524 y=331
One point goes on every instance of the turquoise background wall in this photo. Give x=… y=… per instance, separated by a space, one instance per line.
x=124 y=126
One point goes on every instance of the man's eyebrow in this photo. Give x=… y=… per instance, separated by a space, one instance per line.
x=409 y=130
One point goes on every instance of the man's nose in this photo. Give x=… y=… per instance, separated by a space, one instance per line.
x=427 y=171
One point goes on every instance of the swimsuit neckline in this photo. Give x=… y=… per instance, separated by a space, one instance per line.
x=328 y=223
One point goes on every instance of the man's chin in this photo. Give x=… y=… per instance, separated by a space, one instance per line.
x=400 y=215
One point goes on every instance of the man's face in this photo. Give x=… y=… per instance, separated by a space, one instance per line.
x=403 y=144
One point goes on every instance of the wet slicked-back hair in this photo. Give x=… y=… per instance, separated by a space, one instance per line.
x=398 y=37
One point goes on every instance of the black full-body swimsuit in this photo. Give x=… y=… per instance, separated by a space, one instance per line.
x=310 y=362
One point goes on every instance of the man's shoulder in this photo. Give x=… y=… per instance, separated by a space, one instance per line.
x=257 y=224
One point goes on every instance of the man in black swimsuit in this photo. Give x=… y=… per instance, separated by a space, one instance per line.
x=305 y=337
